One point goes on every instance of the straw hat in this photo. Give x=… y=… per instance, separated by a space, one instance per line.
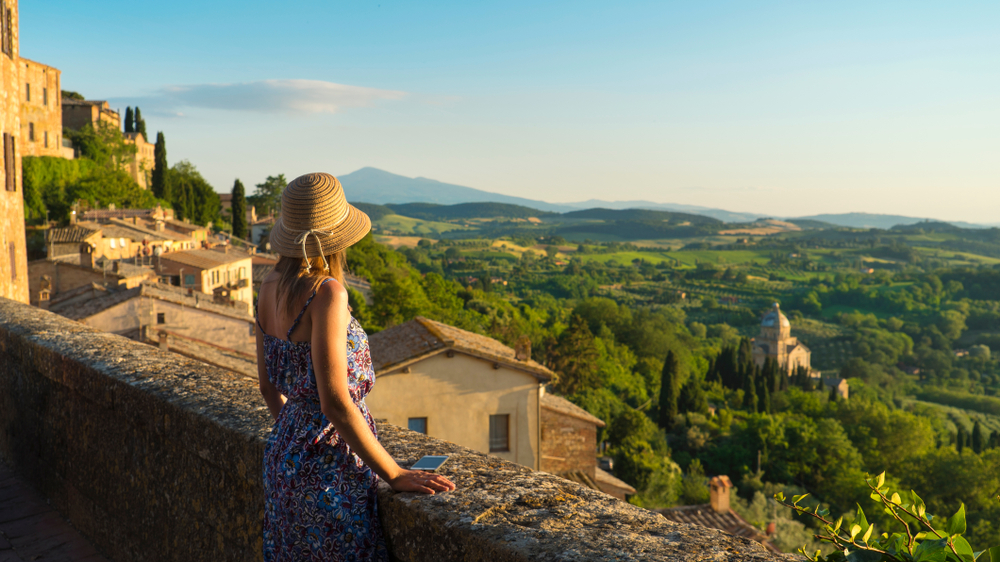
x=316 y=219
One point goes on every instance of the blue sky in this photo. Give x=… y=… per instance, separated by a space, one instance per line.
x=784 y=108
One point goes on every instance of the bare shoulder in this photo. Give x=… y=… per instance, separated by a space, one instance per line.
x=331 y=292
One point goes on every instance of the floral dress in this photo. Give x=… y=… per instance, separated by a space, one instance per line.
x=320 y=499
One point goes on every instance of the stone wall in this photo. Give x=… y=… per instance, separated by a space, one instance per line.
x=155 y=457
x=41 y=116
x=13 y=252
x=568 y=443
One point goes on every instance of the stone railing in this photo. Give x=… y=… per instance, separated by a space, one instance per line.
x=156 y=457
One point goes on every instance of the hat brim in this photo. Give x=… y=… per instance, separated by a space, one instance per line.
x=348 y=232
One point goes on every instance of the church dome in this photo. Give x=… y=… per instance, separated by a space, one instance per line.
x=775 y=319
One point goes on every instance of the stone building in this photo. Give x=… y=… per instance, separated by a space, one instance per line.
x=51 y=278
x=224 y=273
x=775 y=341
x=41 y=111
x=140 y=166
x=134 y=239
x=13 y=251
x=475 y=391
x=78 y=113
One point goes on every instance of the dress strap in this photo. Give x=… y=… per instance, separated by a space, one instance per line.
x=304 y=307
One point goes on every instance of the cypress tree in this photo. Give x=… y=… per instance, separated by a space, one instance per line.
x=668 y=390
x=833 y=394
x=129 y=120
x=977 y=438
x=140 y=124
x=750 y=394
x=994 y=439
x=960 y=438
x=239 y=209
x=159 y=179
x=764 y=394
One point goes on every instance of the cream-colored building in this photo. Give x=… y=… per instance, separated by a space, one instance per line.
x=775 y=341
x=41 y=111
x=225 y=273
x=459 y=386
x=78 y=113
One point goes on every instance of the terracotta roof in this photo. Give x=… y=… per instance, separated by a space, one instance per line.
x=71 y=234
x=727 y=521
x=120 y=229
x=185 y=225
x=563 y=406
x=421 y=338
x=104 y=214
x=204 y=259
x=604 y=477
x=59 y=298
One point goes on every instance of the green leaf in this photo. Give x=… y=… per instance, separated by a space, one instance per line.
x=895 y=498
x=780 y=496
x=840 y=522
x=931 y=551
x=880 y=480
x=994 y=554
x=868 y=533
x=964 y=549
x=860 y=519
x=855 y=529
x=918 y=504
x=956 y=523
x=798 y=498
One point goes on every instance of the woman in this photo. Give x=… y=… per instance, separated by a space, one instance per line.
x=323 y=460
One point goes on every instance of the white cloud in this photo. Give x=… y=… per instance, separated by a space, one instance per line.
x=267 y=96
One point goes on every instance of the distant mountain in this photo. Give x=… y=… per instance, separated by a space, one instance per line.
x=430 y=211
x=868 y=220
x=372 y=185
x=376 y=186
x=724 y=216
x=667 y=217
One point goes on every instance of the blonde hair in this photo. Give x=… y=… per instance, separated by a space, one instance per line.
x=294 y=278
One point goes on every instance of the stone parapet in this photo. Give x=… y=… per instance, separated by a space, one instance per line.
x=155 y=457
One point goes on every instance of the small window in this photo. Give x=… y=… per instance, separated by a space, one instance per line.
x=9 y=152
x=161 y=317
x=45 y=96
x=13 y=262
x=112 y=243
x=122 y=242
x=417 y=424
x=499 y=425
x=46 y=134
x=189 y=280
x=31 y=132
x=27 y=91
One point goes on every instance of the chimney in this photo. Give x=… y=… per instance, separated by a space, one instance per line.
x=164 y=344
x=720 y=486
x=522 y=348
x=43 y=299
x=771 y=529
x=86 y=255
x=159 y=226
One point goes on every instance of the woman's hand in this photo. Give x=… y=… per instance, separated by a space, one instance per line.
x=420 y=481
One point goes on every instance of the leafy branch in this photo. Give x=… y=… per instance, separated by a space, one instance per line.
x=921 y=541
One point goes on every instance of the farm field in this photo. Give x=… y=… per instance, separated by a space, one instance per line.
x=408 y=225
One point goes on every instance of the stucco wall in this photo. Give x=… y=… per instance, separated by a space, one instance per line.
x=155 y=457
x=458 y=395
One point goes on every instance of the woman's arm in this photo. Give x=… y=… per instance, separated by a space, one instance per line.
x=272 y=397
x=330 y=320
